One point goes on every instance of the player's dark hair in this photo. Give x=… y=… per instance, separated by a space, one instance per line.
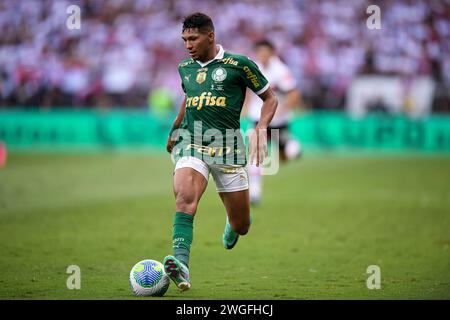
x=199 y=21
x=265 y=43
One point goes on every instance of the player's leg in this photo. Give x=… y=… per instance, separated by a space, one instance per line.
x=293 y=149
x=256 y=184
x=189 y=185
x=232 y=186
x=283 y=136
x=290 y=148
x=238 y=223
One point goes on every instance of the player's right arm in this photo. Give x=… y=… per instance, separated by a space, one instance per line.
x=176 y=124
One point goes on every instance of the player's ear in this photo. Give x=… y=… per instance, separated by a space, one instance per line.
x=211 y=36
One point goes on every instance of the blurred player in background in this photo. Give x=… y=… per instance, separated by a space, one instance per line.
x=284 y=84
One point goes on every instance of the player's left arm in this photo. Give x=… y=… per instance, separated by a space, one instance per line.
x=258 y=140
x=270 y=103
x=257 y=82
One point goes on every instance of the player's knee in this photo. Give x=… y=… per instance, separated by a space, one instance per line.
x=186 y=203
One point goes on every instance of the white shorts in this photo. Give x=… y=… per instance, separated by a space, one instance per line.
x=227 y=178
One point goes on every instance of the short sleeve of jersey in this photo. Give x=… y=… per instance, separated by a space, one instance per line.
x=253 y=77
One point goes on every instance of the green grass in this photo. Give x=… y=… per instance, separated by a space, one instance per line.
x=323 y=221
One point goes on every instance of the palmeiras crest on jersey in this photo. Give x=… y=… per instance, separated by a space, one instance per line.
x=219 y=74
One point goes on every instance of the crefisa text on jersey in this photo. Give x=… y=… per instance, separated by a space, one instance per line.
x=227 y=309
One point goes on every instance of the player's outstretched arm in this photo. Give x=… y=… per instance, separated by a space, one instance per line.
x=176 y=125
x=258 y=141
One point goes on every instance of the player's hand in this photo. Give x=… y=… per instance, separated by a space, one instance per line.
x=170 y=143
x=258 y=146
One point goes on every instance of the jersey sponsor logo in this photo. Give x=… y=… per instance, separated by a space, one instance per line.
x=210 y=151
x=184 y=64
x=229 y=61
x=252 y=77
x=206 y=99
x=219 y=74
x=187 y=77
x=230 y=170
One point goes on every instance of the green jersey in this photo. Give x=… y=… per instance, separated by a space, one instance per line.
x=215 y=92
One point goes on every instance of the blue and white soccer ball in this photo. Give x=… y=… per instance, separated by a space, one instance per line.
x=147 y=278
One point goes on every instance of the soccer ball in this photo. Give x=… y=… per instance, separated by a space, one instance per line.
x=147 y=278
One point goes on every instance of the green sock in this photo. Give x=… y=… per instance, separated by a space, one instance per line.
x=183 y=226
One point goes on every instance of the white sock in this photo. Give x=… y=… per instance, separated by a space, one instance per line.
x=255 y=182
x=292 y=149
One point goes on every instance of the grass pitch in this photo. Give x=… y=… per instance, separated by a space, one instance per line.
x=323 y=221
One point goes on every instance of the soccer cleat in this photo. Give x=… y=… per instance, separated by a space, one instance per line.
x=177 y=272
x=230 y=237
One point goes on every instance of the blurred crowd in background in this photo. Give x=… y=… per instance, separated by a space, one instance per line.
x=126 y=52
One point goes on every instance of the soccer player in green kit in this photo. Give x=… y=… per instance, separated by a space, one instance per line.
x=214 y=82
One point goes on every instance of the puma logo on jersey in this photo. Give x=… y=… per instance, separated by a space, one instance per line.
x=187 y=77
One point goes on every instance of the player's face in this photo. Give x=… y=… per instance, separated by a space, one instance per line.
x=263 y=54
x=197 y=43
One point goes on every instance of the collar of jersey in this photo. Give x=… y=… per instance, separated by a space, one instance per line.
x=218 y=56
